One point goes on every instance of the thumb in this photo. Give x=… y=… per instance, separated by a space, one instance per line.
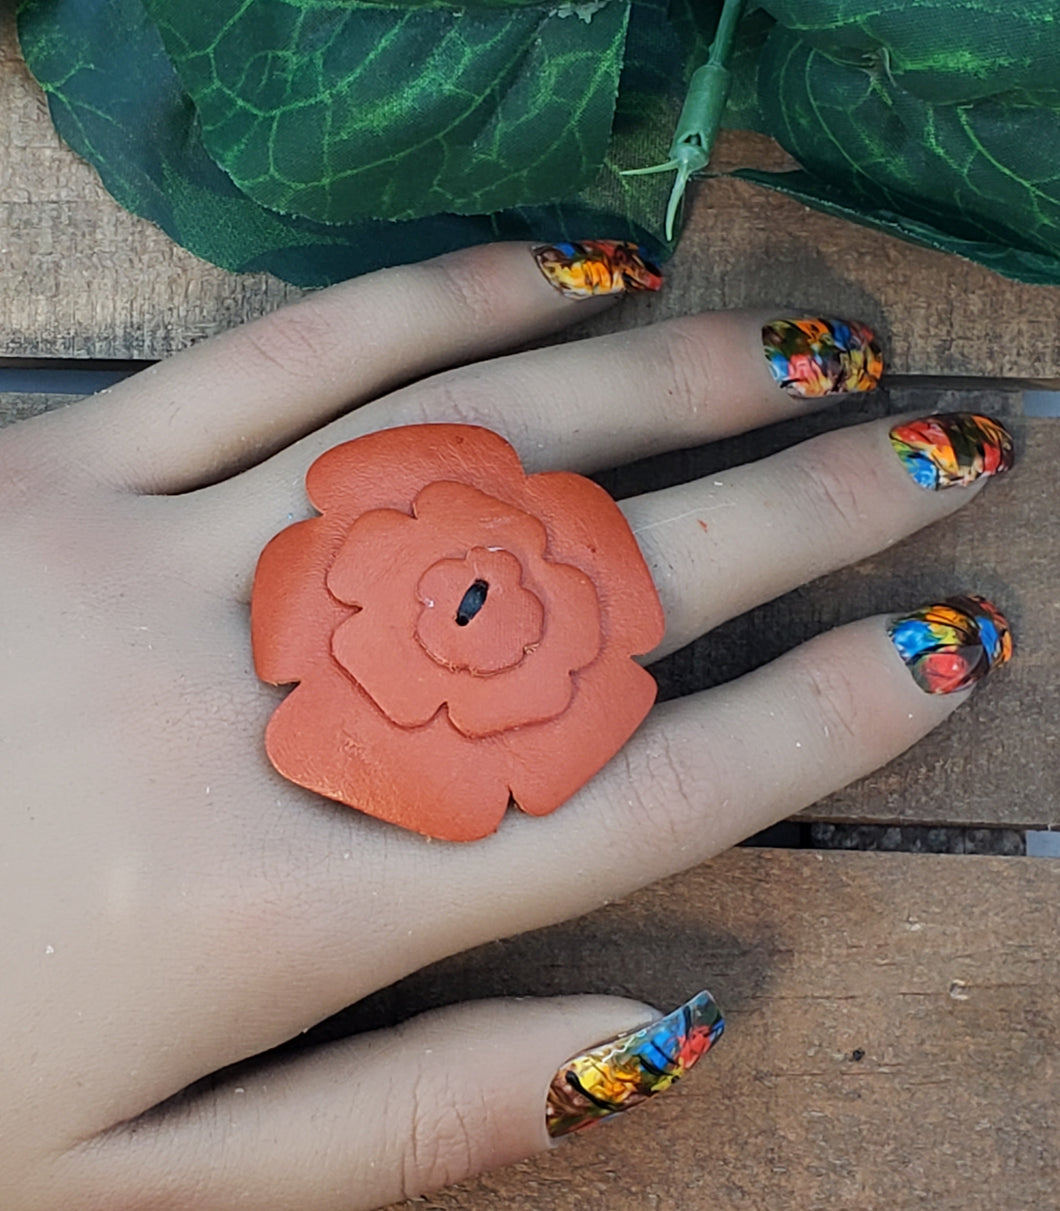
x=381 y=1117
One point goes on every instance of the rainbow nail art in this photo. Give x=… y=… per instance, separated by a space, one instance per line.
x=953 y=448
x=590 y=268
x=627 y=1070
x=953 y=644
x=814 y=357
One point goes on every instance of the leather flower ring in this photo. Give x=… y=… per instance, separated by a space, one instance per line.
x=461 y=633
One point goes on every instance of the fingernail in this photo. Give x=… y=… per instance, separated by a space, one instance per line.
x=952 y=448
x=814 y=357
x=952 y=644
x=591 y=268
x=631 y=1068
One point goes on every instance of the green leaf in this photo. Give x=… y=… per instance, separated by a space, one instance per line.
x=349 y=111
x=121 y=106
x=938 y=50
x=986 y=172
x=1035 y=268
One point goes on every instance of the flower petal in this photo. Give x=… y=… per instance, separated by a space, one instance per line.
x=587 y=529
x=540 y=687
x=329 y=737
x=292 y=615
x=550 y=761
x=489 y=631
x=377 y=568
x=465 y=517
x=388 y=469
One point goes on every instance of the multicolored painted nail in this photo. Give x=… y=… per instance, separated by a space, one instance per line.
x=590 y=268
x=952 y=644
x=814 y=357
x=631 y=1068
x=954 y=448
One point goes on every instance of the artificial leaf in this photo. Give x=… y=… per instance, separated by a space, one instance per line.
x=119 y=103
x=1038 y=269
x=937 y=50
x=338 y=112
x=980 y=173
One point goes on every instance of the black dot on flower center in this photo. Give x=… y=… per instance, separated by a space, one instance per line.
x=471 y=602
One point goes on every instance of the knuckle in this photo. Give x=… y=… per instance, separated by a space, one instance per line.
x=458 y=397
x=665 y=797
x=835 y=481
x=687 y=366
x=442 y=1140
x=836 y=697
x=471 y=284
x=297 y=340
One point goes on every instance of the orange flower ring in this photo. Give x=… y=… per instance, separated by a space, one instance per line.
x=461 y=633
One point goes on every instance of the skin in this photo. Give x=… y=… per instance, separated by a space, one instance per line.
x=171 y=905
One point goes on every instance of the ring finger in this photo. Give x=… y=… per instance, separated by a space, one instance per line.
x=719 y=546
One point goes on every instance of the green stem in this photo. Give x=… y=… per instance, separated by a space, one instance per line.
x=701 y=114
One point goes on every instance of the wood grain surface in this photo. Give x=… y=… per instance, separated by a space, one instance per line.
x=941 y=972
x=80 y=277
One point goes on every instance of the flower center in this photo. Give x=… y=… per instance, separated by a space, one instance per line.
x=484 y=588
x=471 y=602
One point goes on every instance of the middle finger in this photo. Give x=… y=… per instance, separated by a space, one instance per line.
x=582 y=406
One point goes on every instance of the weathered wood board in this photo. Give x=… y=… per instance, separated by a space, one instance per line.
x=942 y=972
x=79 y=277
x=15 y=406
x=997 y=761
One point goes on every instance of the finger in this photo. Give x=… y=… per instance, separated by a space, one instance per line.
x=595 y=403
x=230 y=401
x=720 y=546
x=586 y=405
x=706 y=771
x=387 y=1116
x=701 y=774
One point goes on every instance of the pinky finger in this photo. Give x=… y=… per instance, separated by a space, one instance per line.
x=386 y=1116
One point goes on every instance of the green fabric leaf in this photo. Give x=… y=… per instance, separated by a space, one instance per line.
x=985 y=172
x=744 y=110
x=344 y=112
x=915 y=117
x=1035 y=268
x=938 y=50
x=115 y=98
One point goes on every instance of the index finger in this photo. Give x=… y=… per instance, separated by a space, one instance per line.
x=231 y=401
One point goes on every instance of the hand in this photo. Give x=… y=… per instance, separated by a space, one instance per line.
x=172 y=905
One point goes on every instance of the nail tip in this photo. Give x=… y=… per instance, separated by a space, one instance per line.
x=618 y=1074
x=953 y=644
x=814 y=357
x=583 y=269
x=953 y=449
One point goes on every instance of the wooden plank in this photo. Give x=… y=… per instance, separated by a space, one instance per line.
x=16 y=406
x=942 y=972
x=79 y=277
x=997 y=761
